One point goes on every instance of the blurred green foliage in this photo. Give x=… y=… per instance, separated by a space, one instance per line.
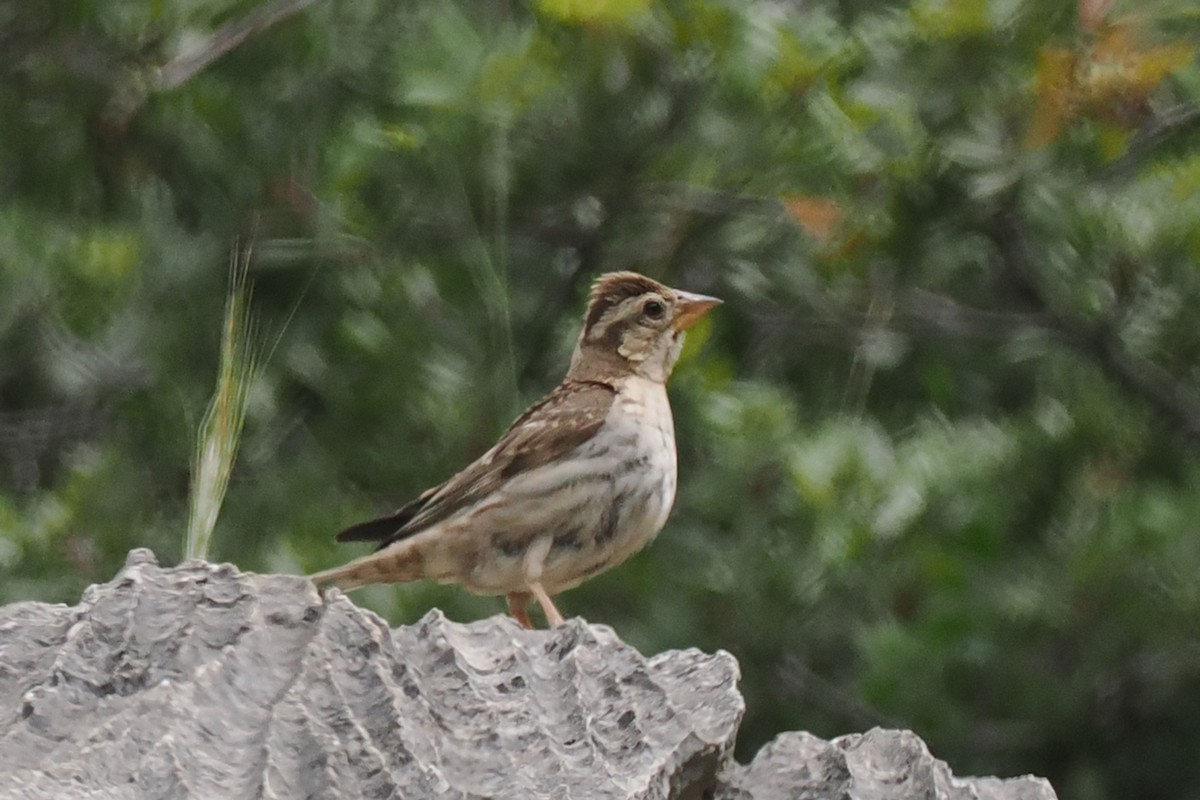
x=939 y=460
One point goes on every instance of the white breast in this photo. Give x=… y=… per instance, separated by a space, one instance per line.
x=643 y=405
x=638 y=441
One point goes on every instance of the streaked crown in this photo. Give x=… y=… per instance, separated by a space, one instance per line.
x=634 y=326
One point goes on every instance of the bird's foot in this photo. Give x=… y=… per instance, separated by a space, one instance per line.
x=518 y=606
x=552 y=616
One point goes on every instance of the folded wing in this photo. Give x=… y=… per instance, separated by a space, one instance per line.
x=568 y=417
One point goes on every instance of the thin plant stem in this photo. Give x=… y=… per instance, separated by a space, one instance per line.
x=221 y=429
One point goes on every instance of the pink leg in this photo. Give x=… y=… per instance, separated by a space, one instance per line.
x=552 y=616
x=518 y=606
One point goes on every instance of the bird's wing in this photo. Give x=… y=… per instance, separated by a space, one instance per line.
x=563 y=420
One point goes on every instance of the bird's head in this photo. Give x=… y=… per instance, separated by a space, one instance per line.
x=634 y=326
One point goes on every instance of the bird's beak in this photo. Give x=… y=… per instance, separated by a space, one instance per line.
x=689 y=308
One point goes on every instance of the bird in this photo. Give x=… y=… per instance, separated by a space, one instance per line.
x=581 y=481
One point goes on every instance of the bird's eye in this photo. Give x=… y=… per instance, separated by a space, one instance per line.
x=654 y=309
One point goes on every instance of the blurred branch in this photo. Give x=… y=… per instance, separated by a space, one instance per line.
x=1161 y=128
x=27 y=437
x=91 y=377
x=133 y=93
x=94 y=370
x=1152 y=382
x=710 y=201
x=1139 y=376
x=184 y=65
x=932 y=310
x=919 y=309
x=805 y=684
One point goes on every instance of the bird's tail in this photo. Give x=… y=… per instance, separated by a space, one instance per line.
x=384 y=566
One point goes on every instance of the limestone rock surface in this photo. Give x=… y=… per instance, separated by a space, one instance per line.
x=200 y=681
x=876 y=765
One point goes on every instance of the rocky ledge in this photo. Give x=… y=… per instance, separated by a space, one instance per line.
x=205 y=682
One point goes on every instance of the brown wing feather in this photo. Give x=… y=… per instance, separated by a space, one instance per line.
x=553 y=427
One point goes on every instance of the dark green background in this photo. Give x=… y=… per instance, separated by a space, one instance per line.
x=938 y=450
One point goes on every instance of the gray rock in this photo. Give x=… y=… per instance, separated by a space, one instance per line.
x=204 y=682
x=876 y=765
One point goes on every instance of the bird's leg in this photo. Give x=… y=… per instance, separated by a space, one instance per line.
x=518 y=606
x=552 y=616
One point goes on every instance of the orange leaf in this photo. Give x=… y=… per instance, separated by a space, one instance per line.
x=819 y=217
x=1120 y=75
x=1054 y=95
x=1114 y=42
